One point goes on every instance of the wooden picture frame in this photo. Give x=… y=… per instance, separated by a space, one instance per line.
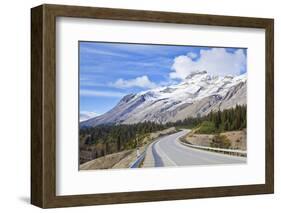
x=43 y=105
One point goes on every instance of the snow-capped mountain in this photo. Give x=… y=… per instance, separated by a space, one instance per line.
x=197 y=95
x=84 y=115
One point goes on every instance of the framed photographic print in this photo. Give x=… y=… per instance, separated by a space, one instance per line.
x=135 y=106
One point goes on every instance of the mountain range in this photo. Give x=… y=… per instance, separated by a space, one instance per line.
x=197 y=95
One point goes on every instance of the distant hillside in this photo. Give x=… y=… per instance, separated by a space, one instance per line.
x=198 y=95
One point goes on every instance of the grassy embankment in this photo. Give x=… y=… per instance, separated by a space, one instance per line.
x=123 y=159
x=221 y=129
x=206 y=134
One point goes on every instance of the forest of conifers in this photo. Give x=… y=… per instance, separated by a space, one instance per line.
x=106 y=139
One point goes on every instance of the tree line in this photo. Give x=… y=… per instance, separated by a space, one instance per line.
x=106 y=139
x=228 y=119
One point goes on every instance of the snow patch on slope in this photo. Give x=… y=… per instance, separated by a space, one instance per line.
x=197 y=94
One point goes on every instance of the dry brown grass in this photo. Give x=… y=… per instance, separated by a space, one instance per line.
x=105 y=162
x=238 y=139
x=125 y=158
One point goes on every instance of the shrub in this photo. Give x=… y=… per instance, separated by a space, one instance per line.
x=220 y=141
x=207 y=127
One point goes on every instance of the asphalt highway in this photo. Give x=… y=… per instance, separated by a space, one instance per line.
x=169 y=151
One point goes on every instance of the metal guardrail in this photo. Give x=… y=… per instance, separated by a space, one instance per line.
x=138 y=161
x=230 y=151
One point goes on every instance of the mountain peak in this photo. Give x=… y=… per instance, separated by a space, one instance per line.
x=195 y=73
x=127 y=98
x=198 y=93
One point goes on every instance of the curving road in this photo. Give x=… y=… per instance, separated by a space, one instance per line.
x=168 y=151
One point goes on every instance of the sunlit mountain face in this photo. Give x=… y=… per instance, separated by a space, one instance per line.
x=197 y=95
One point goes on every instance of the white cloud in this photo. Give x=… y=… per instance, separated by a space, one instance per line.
x=142 y=82
x=85 y=92
x=192 y=55
x=216 y=61
x=85 y=115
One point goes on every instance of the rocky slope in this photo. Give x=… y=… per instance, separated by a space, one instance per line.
x=197 y=95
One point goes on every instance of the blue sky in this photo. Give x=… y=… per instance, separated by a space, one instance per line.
x=108 y=71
